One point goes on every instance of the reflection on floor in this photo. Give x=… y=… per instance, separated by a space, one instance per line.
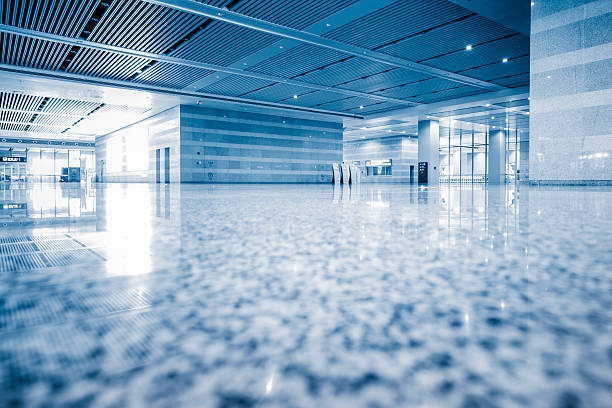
x=312 y=295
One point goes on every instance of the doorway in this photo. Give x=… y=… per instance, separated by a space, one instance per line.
x=167 y=165
x=411 y=174
x=157 y=165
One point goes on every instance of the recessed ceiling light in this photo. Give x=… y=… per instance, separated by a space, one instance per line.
x=505 y=60
x=363 y=128
x=294 y=96
x=493 y=127
x=527 y=113
x=281 y=47
x=532 y=4
x=327 y=25
x=547 y=76
x=468 y=48
x=360 y=106
x=389 y=131
x=488 y=104
x=492 y=117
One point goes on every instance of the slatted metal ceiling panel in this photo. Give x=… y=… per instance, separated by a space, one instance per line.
x=61 y=122
x=396 y=21
x=315 y=98
x=29 y=52
x=171 y=75
x=297 y=14
x=58 y=17
x=452 y=37
x=495 y=71
x=143 y=26
x=514 y=81
x=458 y=92
x=223 y=44
x=298 y=60
x=491 y=53
x=346 y=71
x=235 y=85
x=110 y=109
x=385 y=80
x=432 y=31
x=104 y=64
x=420 y=88
x=72 y=107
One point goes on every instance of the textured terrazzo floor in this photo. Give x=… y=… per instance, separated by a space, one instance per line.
x=306 y=296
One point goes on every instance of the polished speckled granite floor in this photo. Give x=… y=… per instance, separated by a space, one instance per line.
x=306 y=296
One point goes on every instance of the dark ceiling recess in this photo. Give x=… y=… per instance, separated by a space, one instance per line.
x=94 y=110
x=93 y=20
x=38 y=109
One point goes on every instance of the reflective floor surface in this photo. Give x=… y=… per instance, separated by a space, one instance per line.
x=305 y=296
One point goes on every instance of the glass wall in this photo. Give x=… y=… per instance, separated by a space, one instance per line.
x=46 y=165
x=464 y=154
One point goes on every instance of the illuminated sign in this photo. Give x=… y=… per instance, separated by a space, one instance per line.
x=12 y=159
x=373 y=163
x=13 y=206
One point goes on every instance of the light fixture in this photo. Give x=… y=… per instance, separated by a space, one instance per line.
x=487 y=105
x=327 y=25
x=281 y=47
x=492 y=117
x=468 y=47
x=505 y=60
x=532 y=3
x=294 y=96
x=360 y=106
x=547 y=76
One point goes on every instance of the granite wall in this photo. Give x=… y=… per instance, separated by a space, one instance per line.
x=226 y=146
x=571 y=92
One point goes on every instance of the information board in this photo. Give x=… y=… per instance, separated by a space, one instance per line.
x=423 y=172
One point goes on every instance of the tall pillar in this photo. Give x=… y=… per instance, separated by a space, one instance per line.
x=571 y=93
x=429 y=148
x=497 y=157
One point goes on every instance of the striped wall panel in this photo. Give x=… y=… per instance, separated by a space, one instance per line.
x=225 y=146
x=571 y=92
x=402 y=151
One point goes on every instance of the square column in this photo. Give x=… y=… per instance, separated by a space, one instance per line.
x=497 y=157
x=429 y=149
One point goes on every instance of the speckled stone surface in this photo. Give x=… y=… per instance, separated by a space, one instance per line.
x=309 y=296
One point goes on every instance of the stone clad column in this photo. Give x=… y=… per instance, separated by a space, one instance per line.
x=429 y=149
x=497 y=153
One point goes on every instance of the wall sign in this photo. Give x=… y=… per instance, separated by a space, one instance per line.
x=4 y=159
x=423 y=172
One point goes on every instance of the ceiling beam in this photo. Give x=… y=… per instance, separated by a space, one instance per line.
x=339 y=18
x=509 y=94
x=83 y=79
x=191 y=63
x=230 y=17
